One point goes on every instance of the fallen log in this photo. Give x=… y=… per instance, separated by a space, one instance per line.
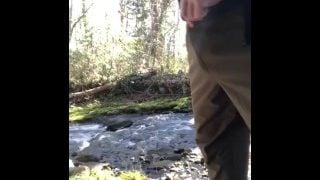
x=90 y=92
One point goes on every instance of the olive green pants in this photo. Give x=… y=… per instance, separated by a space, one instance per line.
x=220 y=79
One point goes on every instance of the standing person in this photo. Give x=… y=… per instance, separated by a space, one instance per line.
x=219 y=55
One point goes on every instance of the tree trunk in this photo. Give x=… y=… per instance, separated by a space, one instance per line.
x=90 y=92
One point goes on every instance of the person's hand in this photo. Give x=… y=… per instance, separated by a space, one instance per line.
x=195 y=10
x=191 y=11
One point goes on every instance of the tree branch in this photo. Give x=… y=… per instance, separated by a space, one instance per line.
x=78 y=20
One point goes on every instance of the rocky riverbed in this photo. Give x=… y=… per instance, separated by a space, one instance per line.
x=160 y=145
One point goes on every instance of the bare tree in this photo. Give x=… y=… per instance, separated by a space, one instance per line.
x=74 y=23
x=158 y=11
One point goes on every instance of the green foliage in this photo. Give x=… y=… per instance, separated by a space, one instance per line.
x=131 y=50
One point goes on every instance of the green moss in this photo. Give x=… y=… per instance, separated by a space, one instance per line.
x=183 y=104
x=94 y=175
x=107 y=174
x=132 y=175
x=96 y=109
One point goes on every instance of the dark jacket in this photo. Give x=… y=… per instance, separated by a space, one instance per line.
x=228 y=5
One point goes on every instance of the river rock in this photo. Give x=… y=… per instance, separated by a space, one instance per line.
x=119 y=125
x=87 y=158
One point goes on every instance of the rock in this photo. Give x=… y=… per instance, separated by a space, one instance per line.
x=174 y=169
x=197 y=162
x=77 y=164
x=87 y=158
x=184 y=154
x=119 y=125
x=147 y=161
x=193 y=169
x=74 y=154
x=97 y=166
x=161 y=164
x=142 y=158
x=185 y=164
x=192 y=154
x=177 y=164
x=107 y=166
x=200 y=161
x=178 y=151
x=161 y=152
x=192 y=161
x=80 y=170
x=117 y=172
x=174 y=157
x=188 y=150
x=204 y=175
